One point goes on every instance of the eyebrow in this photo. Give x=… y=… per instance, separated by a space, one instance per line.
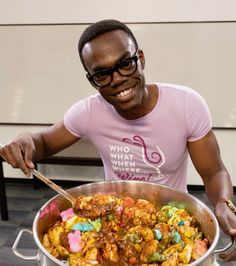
x=124 y=56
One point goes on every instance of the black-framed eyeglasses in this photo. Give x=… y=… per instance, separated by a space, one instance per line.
x=126 y=67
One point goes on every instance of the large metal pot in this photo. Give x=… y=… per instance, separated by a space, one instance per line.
x=155 y=193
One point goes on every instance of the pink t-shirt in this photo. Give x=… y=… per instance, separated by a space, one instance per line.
x=152 y=148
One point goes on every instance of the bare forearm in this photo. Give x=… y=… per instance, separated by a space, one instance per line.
x=40 y=147
x=219 y=187
x=46 y=145
x=52 y=140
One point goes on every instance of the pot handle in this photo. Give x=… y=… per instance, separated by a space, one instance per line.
x=228 y=246
x=17 y=253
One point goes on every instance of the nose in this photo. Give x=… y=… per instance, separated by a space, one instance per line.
x=117 y=79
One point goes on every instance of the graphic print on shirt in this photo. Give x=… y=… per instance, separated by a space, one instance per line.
x=133 y=160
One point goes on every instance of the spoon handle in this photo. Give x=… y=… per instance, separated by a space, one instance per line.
x=54 y=186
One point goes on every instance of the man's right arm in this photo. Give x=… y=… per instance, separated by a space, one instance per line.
x=28 y=147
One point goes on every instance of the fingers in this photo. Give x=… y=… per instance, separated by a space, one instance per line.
x=224 y=224
x=232 y=232
x=12 y=154
x=28 y=156
x=227 y=220
x=227 y=228
x=228 y=256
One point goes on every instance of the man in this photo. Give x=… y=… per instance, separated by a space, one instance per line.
x=142 y=131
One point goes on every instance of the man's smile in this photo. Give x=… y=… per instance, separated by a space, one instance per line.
x=123 y=93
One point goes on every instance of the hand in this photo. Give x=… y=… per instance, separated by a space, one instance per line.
x=226 y=218
x=228 y=256
x=19 y=153
x=227 y=221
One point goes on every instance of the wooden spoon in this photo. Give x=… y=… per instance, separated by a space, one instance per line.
x=57 y=188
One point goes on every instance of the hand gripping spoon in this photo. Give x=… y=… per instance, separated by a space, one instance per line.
x=51 y=184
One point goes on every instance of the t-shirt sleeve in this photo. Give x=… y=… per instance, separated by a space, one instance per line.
x=76 y=118
x=198 y=116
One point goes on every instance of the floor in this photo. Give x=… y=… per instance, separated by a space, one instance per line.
x=23 y=203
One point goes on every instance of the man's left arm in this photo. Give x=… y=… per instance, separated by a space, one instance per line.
x=205 y=155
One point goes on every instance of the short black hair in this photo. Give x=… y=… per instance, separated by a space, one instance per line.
x=99 y=28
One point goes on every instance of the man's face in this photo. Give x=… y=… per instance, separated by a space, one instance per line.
x=125 y=93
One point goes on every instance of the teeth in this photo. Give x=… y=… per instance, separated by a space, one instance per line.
x=123 y=93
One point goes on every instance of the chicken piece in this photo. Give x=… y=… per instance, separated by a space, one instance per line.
x=133 y=260
x=173 y=249
x=178 y=216
x=54 y=252
x=188 y=231
x=145 y=213
x=63 y=252
x=90 y=239
x=200 y=248
x=54 y=234
x=110 y=252
x=149 y=247
x=64 y=240
x=94 y=206
x=141 y=213
x=164 y=228
x=128 y=202
x=47 y=244
x=77 y=260
x=135 y=237
x=186 y=254
x=152 y=264
x=114 y=225
x=52 y=242
x=172 y=261
x=145 y=205
x=163 y=215
x=139 y=233
x=91 y=255
x=128 y=250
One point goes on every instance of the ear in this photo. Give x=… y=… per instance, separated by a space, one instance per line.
x=141 y=58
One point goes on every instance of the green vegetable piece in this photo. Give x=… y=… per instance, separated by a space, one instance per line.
x=158 y=234
x=178 y=205
x=172 y=211
x=135 y=238
x=96 y=224
x=176 y=238
x=156 y=257
x=110 y=217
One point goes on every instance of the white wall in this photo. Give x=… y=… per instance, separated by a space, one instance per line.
x=40 y=62
x=227 y=143
x=77 y=11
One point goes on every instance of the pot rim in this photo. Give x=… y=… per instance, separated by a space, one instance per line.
x=191 y=197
